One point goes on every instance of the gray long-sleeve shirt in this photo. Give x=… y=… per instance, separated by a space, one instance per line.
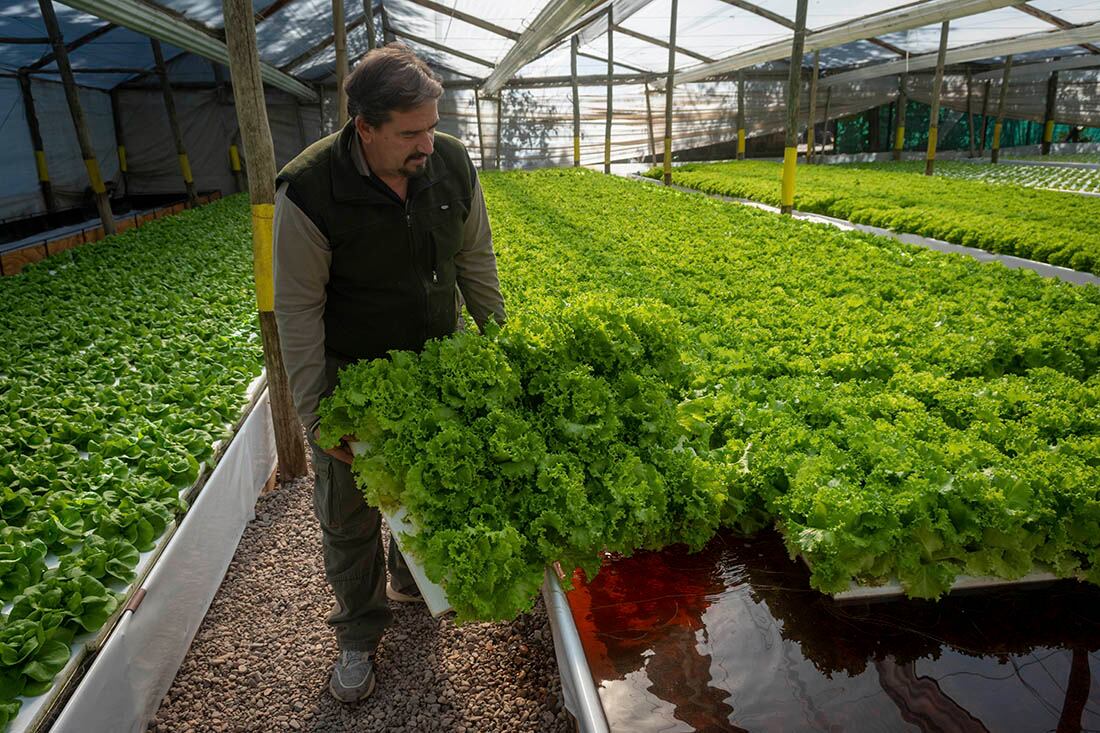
x=302 y=259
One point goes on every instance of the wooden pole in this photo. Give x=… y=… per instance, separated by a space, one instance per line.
x=740 y=114
x=87 y=152
x=984 y=116
x=825 y=125
x=971 y=136
x=812 y=115
x=496 y=150
x=899 y=119
x=934 y=115
x=36 y=140
x=668 y=93
x=120 y=140
x=794 y=89
x=368 y=16
x=340 y=40
x=248 y=92
x=995 y=152
x=574 y=46
x=649 y=122
x=1048 y=116
x=480 y=132
x=235 y=166
x=610 y=96
x=174 y=123
x=302 y=139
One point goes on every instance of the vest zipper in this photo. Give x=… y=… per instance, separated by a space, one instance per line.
x=416 y=269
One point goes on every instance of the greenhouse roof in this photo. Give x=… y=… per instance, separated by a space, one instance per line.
x=486 y=43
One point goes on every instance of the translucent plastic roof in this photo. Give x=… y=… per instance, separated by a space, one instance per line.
x=297 y=36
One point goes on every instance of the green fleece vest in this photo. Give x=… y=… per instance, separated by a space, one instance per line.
x=392 y=278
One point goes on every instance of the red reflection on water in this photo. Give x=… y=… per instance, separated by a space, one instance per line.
x=732 y=638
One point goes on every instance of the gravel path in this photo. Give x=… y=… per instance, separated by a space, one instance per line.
x=260 y=661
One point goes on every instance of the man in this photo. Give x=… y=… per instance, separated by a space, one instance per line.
x=379 y=229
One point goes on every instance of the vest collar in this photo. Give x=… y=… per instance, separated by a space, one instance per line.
x=348 y=184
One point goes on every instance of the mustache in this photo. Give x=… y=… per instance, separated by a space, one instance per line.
x=418 y=156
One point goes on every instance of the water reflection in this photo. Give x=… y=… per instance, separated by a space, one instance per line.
x=732 y=638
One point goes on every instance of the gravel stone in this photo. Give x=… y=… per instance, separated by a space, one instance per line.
x=260 y=660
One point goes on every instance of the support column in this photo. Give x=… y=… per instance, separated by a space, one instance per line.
x=302 y=139
x=934 y=116
x=985 y=117
x=496 y=151
x=668 y=93
x=825 y=124
x=740 y=114
x=368 y=17
x=610 y=95
x=87 y=152
x=120 y=141
x=649 y=123
x=970 y=114
x=794 y=88
x=480 y=132
x=340 y=41
x=36 y=141
x=812 y=116
x=174 y=123
x=899 y=118
x=996 y=149
x=574 y=45
x=235 y=166
x=248 y=92
x=1048 y=116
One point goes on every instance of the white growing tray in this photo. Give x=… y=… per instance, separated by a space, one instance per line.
x=399 y=523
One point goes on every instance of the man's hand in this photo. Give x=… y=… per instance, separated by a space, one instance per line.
x=341 y=452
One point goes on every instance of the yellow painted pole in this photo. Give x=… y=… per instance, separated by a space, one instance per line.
x=668 y=93
x=996 y=150
x=794 y=89
x=934 y=115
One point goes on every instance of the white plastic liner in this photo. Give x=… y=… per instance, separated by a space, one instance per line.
x=136 y=666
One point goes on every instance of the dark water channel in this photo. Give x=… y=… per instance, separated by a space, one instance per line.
x=733 y=638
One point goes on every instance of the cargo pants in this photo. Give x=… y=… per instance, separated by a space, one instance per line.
x=351 y=536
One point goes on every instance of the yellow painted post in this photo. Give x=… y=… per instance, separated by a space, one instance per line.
x=934 y=115
x=36 y=140
x=794 y=89
x=610 y=88
x=812 y=116
x=1048 y=117
x=574 y=44
x=899 y=122
x=235 y=166
x=740 y=114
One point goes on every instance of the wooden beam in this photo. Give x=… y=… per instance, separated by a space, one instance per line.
x=995 y=151
x=467 y=18
x=120 y=140
x=36 y=141
x=971 y=137
x=480 y=131
x=934 y=114
x=984 y=116
x=888 y=46
x=762 y=12
x=173 y=123
x=610 y=88
x=794 y=91
x=649 y=124
x=899 y=120
x=23 y=40
x=667 y=160
x=368 y=18
x=340 y=39
x=1048 y=114
x=740 y=114
x=74 y=44
x=440 y=47
x=574 y=44
x=812 y=116
x=603 y=60
x=248 y=93
x=1054 y=20
x=271 y=9
x=87 y=151
x=98 y=70
x=825 y=127
x=663 y=44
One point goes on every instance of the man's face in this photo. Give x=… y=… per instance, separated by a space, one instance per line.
x=402 y=145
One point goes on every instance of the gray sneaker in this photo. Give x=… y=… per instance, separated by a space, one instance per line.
x=352 y=676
